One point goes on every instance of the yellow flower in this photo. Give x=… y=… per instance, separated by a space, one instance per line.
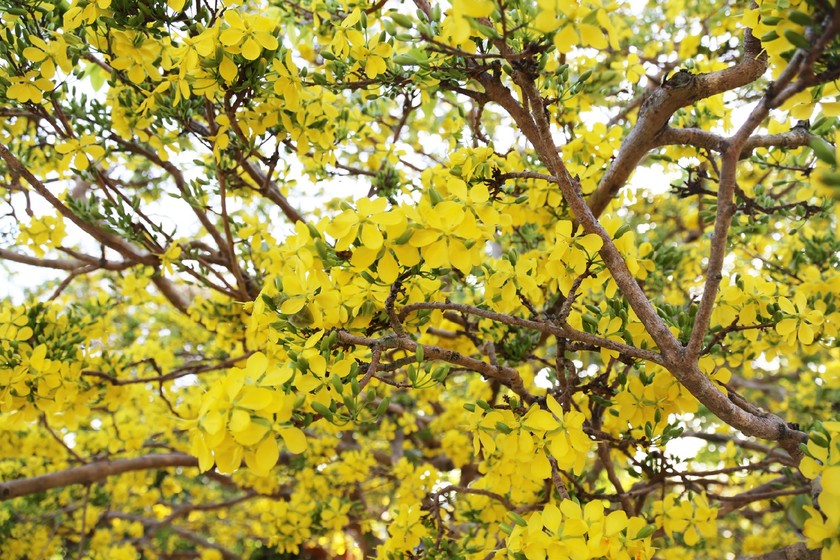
x=136 y=55
x=173 y=252
x=77 y=151
x=247 y=35
x=373 y=54
x=45 y=231
x=802 y=324
x=346 y=36
x=48 y=54
x=29 y=87
x=407 y=529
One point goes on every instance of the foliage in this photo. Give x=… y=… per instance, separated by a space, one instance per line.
x=496 y=343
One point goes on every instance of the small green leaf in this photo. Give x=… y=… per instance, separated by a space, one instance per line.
x=645 y=532
x=796 y=39
x=823 y=150
x=402 y=20
x=800 y=18
x=322 y=410
x=406 y=60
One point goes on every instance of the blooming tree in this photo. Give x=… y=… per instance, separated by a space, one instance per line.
x=579 y=298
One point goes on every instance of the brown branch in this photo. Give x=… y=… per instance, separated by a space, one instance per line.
x=177 y=298
x=229 y=248
x=106 y=238
x=180 y=183
x=371 y=370
x=507 y=376
x=475 y=491
x=153 y=526
x=772 y=452
x=606 y=460
x=658 y=108
x=92 y=472
x=57 y=264
x=783 y=89
x=798 y=136
x=181 y=510
x=797 y=551
x=558 y=483
x=563 y=331
x=684 y=368
x=60 y=441
x=192 y=369
x=762 y=492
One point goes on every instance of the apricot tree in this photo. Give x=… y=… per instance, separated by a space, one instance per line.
x=484 y=279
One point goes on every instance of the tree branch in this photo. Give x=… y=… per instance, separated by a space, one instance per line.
x=507 y=376
x=782 y=90
x=92 y=472
x=562 y=331
x=796 y=137
x=797 y=551
x=658 y=108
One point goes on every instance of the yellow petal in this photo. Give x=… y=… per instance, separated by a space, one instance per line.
x=256 y=365
x=202 y=452
x=34 y=55
x=292 y=305
x=371 y=237
x=437 y=254
x=592 y=36
x=267 y=41
x=423 y=237
x=591 y=243
x=388 y=268
x=540 y=420
x=227 y=69
x=251 y=49
x=229 y=459
x=294 y=439
x=266 y=456
x=806 y=333
x=239 y=420
x=786 y=305
x=786 y=326
x=255 y=398
x=565 y=39
x=616 y=521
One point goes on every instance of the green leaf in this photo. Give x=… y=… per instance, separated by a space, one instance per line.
x=823 y=150
x=402 y=20
x=406 y=60
x=800 y=18
x=796 y=39
x=645 y=532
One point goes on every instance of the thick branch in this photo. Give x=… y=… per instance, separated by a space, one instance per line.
x=661 y=105
x=549 y=155
x=795 y=138
x=782 y=90
x=92 y=472
x=684 y=368
x=57 y=264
